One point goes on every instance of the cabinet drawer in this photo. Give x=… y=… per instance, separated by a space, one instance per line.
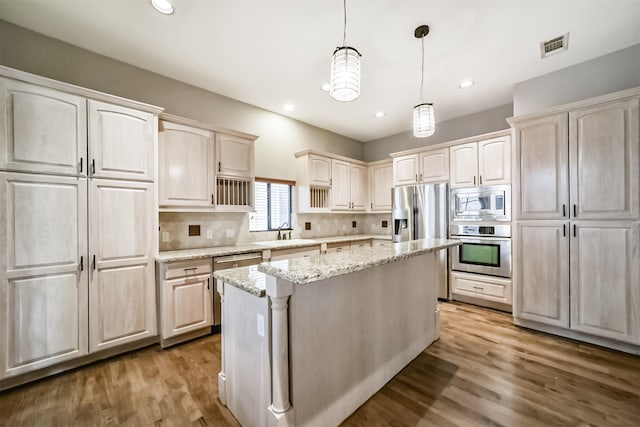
x=188 y=268
x=361 y=244
x=338 y=247
x=294 y=253
x=479 y=287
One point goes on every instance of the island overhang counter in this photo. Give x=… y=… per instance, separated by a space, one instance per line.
x=307 y=341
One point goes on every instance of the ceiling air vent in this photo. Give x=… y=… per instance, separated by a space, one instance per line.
x=555 y=45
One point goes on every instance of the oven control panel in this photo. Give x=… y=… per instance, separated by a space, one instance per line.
x=480 y=230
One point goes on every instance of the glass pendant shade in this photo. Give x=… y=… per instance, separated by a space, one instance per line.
x=345 y=74
x=424 y=122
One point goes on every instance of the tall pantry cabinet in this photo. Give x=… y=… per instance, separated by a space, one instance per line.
x=577 y=219
x=77 y=222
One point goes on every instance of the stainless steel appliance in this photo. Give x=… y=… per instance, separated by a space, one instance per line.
x=223 y=263
x=490 y=203
x=420 y=212
x=485 y=249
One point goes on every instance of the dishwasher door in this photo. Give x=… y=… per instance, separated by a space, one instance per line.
x=226 y=262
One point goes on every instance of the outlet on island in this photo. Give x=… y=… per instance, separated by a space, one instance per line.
x=165 y=236
x=209 y=234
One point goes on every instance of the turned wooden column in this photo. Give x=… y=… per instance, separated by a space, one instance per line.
x=222 y=377
x=280 y=345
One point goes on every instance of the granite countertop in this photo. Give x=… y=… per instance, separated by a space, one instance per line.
x=319 y=267
x=188 y=254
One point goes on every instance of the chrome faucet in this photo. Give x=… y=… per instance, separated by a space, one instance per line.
x=283 y=236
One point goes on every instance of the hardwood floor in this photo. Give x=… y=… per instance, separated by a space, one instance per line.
x=482 y=371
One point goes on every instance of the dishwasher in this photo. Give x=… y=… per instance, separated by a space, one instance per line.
x=226 y=262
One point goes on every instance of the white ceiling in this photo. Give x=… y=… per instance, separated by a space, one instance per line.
x=271 y=52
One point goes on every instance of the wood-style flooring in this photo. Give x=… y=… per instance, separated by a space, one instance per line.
x=482 y=371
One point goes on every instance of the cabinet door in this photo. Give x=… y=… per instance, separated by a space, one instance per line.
x=464 y=165
x=319 y=171
x=380 y=184
x=494 y=161
x=188 y=305
x=604 y=158
x=434 y=166
x=605 y=283
x=540 y=169
x=405 y=170
x=541 y=272
x=43 y=271
x=234 y=156
x=42 y=130
x=121 y=289
x=121 y=142
x=186 y=166
x=340 y=186
x=358 y=187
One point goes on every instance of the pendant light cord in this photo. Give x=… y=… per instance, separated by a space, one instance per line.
x=344 y=33
x=422 y=73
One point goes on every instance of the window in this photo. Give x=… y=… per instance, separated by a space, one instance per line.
x=273 y=205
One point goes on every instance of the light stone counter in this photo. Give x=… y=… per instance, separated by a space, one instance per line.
x=189 y=254
x=325 y=266
x=248 y=279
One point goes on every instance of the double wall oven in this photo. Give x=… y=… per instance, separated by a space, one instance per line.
x=480 y=217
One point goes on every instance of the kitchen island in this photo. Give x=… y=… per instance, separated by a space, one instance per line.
x=307 y=341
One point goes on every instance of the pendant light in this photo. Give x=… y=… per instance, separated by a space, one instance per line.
x=424 y=123
x=345 y=69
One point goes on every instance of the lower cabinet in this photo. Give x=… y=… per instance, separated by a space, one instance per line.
x=581 y=276
x=76 y=268
x=277 y=254
x=186 y=300
x=483 y=287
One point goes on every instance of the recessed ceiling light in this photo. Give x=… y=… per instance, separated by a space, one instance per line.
x=380 y=114
x=288 y=107
x=326 y=87
x=466 y=83
x=162 y=6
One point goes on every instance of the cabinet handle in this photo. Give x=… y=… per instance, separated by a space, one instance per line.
x=575 y=210
x=186 y=270
x=564 y=210
x=330 y=181
x=420 y=177
x=212 y=199
x=416 y=177
x=480 y=179
x=564 y=230
x=94 y=261
x=81 y=263
x=93 y=166
x=208 y=288
x=371 y=205
x=474 y=180
x=478 y=287
x=219 y=166
x=574 y=230
x=81 y=162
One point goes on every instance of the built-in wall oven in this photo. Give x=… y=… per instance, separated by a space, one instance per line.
x=485 y=249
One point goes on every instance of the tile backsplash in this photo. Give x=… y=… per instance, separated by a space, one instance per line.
x=233 y=228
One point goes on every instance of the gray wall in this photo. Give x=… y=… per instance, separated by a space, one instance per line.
x=279 y=136
x=474 y=124
x=609 y=73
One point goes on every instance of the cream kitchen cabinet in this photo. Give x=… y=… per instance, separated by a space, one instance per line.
x=380 y=185
x=486 y=162
x=423 y=167
x=235 y=156
x=43 y=271
x=541 y=271
x=121 y=142
x=605 y=279
x=348 y=188
x=122 y=301
x=541 y=168
x=186 y=166
x=186 y=300
x=319 y=170
x=42 y=130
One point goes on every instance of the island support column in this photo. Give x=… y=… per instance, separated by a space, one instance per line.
x=222 y=378
x=281 y=411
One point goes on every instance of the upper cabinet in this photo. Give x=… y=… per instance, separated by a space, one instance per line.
x=434 y=166
x=319 y=170
x=42 y=130
x=486 y=162
x=349 y=186
x=406 y=170
x=185 y=158
x=380 y=185
x=595 y=149
x=203 y=169
x=234 y=156
x=48 y=131
x=121 y=142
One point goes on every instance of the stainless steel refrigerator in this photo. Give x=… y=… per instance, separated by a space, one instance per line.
x=420 y=212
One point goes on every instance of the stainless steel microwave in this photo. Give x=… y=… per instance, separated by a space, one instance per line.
x=489 y=203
